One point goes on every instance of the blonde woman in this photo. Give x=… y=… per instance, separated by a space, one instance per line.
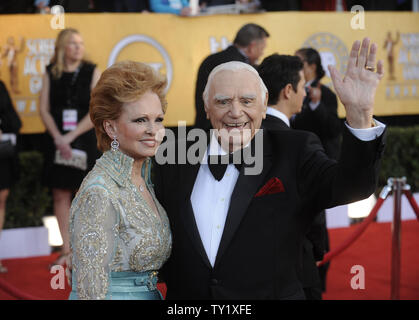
x=70 y=147
x=120 y=234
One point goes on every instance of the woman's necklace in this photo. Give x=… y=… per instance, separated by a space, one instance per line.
x=141 y=188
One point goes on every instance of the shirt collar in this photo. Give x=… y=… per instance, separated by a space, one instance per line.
x=118 y=165
x=278 y=114
x=243 y=54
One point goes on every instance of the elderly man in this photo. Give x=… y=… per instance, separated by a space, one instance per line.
x=237 y=235
x=248 y=46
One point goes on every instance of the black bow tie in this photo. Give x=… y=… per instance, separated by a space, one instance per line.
x=218 y=164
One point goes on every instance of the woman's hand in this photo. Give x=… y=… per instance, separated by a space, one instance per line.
x=62 y=143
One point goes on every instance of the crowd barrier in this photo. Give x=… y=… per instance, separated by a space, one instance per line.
x=398 y=186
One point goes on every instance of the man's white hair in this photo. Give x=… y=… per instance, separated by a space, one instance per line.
x=233 y=66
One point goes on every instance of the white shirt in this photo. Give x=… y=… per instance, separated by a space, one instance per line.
x=210 y=201
x=278 y=114
x=210 y=198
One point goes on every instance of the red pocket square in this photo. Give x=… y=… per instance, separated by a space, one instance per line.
x=274 y=185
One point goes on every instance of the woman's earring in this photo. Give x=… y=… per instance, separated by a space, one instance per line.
x=114 y=144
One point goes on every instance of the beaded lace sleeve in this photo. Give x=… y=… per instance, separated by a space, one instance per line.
x=93 y=240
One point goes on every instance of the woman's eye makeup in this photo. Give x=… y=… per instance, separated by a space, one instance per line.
x=144 y=119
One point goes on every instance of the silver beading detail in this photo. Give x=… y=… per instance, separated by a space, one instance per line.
x=114 y=144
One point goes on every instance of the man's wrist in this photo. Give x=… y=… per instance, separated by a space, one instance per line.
x=361 y=122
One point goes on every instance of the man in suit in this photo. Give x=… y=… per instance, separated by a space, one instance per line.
x=284 y=78
x=237 y=235
x=248 y=47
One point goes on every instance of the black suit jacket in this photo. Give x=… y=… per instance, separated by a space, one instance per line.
x=323 y=121
x=314 y=239
x=229 y=54
x=258 y=253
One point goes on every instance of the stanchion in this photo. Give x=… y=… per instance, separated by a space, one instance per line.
x=399 y=187
x=398 y=184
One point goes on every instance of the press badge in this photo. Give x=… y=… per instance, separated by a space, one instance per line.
x=69 y=119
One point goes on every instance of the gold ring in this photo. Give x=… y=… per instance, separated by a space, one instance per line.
x=370 y=68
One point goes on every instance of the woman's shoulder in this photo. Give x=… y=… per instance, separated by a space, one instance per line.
x=327 y=90
x=96 y=190
x=97 y=181
x=88 y=66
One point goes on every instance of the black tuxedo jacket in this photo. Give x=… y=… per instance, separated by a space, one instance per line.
x=258 y=253
x=323 y=121
x=313 y=242
x=229 y=54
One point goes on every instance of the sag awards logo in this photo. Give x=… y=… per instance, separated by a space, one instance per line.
x=402 y=60
x=332 y=51
x=25 y=79
x=140 y=47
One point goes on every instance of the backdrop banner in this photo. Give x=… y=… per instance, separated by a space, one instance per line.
x=177 y=45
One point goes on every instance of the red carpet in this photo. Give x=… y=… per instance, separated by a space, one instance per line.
x=372 y=251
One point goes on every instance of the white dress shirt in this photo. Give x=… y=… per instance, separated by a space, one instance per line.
x=210 y=201
x=210 y=198
x=276 y=113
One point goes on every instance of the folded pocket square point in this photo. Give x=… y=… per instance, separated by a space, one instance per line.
x=274 y=185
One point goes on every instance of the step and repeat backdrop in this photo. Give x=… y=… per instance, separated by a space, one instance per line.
x=176 y=46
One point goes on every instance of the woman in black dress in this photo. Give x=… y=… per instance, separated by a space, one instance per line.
x=70 y=148
x=9 y=128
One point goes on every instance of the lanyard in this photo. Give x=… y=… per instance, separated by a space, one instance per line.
x=70 y=89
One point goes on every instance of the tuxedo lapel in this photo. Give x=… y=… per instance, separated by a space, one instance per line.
x=188 y=174
x=245 y=189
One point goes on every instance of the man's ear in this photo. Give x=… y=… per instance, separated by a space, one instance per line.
x=287 y=91
x=265 y=106
x=110 y=128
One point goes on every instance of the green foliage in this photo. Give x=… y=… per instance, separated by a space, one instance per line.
x=401 y=156
x=28 y=201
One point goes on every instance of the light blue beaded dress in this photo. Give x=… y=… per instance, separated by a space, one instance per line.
x=118 y=242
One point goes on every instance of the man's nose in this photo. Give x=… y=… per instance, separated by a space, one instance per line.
x=235 y=109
